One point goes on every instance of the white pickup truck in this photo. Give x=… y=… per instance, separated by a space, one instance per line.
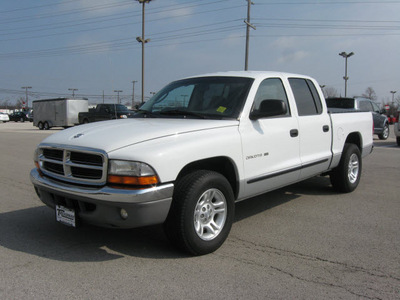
x=194 y=149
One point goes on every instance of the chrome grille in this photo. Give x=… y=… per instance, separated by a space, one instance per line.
x=77 y=165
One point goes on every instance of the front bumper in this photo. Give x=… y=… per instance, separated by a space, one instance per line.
x=102 y=205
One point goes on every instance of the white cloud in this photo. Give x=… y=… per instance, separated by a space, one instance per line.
x=292 y=56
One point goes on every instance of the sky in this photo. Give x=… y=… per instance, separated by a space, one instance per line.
x=53 y=46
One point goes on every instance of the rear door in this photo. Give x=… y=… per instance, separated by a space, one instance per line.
x=314 y=128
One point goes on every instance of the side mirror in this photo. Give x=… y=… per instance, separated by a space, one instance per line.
x=269 y=108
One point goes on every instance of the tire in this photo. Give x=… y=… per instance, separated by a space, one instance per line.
x=46 y=126
x=85 y=121
x=398 y=140
x=40 y=126
x=346 y=177
x=385 y=133
x=201 y=213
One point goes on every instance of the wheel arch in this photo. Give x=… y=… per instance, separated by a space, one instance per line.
x=356 y=139
x=223 y=165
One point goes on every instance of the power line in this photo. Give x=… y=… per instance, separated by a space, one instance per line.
x=116 y=25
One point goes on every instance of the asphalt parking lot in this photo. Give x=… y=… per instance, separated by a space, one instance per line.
x=301 y=242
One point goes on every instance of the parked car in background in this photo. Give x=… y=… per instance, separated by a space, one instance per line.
x=4 y=117
x=381 y=123
x=30 y=115
x=104 y=112
x=18 y=116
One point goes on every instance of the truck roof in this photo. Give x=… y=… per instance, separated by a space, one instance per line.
x=252 y=74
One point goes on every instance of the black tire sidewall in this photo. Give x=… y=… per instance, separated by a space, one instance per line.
x=384 y=136
x=339 y=177
x=187 y=193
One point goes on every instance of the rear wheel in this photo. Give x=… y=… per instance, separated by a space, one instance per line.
x=385 y=134
x=46 y=126
x=346 y=177
x=40 y=126
x=201 y=213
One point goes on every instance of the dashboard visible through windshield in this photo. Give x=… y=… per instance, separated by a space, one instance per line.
x=201 y=97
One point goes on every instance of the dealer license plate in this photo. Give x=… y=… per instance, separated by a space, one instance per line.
x=65 y=215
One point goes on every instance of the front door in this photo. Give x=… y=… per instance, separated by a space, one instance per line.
x=270 y=145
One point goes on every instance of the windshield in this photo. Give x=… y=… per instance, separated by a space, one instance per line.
x=202 y=97
x=119 y=107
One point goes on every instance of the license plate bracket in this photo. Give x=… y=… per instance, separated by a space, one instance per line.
x=65 y=215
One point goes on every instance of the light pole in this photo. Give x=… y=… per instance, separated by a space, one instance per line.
x=133 y=93
x=73 y=92
x=143 y=41
x=346 y=55
x=118 y=91
x=26 y=94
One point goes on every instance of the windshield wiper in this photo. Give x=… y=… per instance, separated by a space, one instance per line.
x=182 y=113
x=145 y=113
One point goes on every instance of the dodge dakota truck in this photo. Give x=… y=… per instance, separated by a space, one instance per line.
x=194 y=149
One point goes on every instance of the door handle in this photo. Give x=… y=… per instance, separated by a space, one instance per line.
x=294 y=132
x=325 y=128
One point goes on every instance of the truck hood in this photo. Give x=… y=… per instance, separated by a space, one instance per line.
x=116 y=134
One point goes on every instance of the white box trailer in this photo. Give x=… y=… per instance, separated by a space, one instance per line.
x=59 y=112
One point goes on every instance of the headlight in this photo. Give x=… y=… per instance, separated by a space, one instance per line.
x=131 y=173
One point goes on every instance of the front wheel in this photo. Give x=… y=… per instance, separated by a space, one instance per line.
x=346 y=176
x=201 y=213
x=385 y=134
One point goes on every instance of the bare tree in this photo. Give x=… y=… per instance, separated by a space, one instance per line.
x=330 y=92
x=370 y=93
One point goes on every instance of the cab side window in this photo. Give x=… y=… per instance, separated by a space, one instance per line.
x=271 y=88
x=307 y=99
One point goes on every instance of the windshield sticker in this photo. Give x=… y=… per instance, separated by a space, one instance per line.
x=221 y=109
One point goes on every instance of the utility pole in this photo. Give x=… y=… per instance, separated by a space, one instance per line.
x=143 y=41
x=103 y=96
x=118 y=91
x=133 y=93
x=248 y=25
x=26 y=94
x=73 y=92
